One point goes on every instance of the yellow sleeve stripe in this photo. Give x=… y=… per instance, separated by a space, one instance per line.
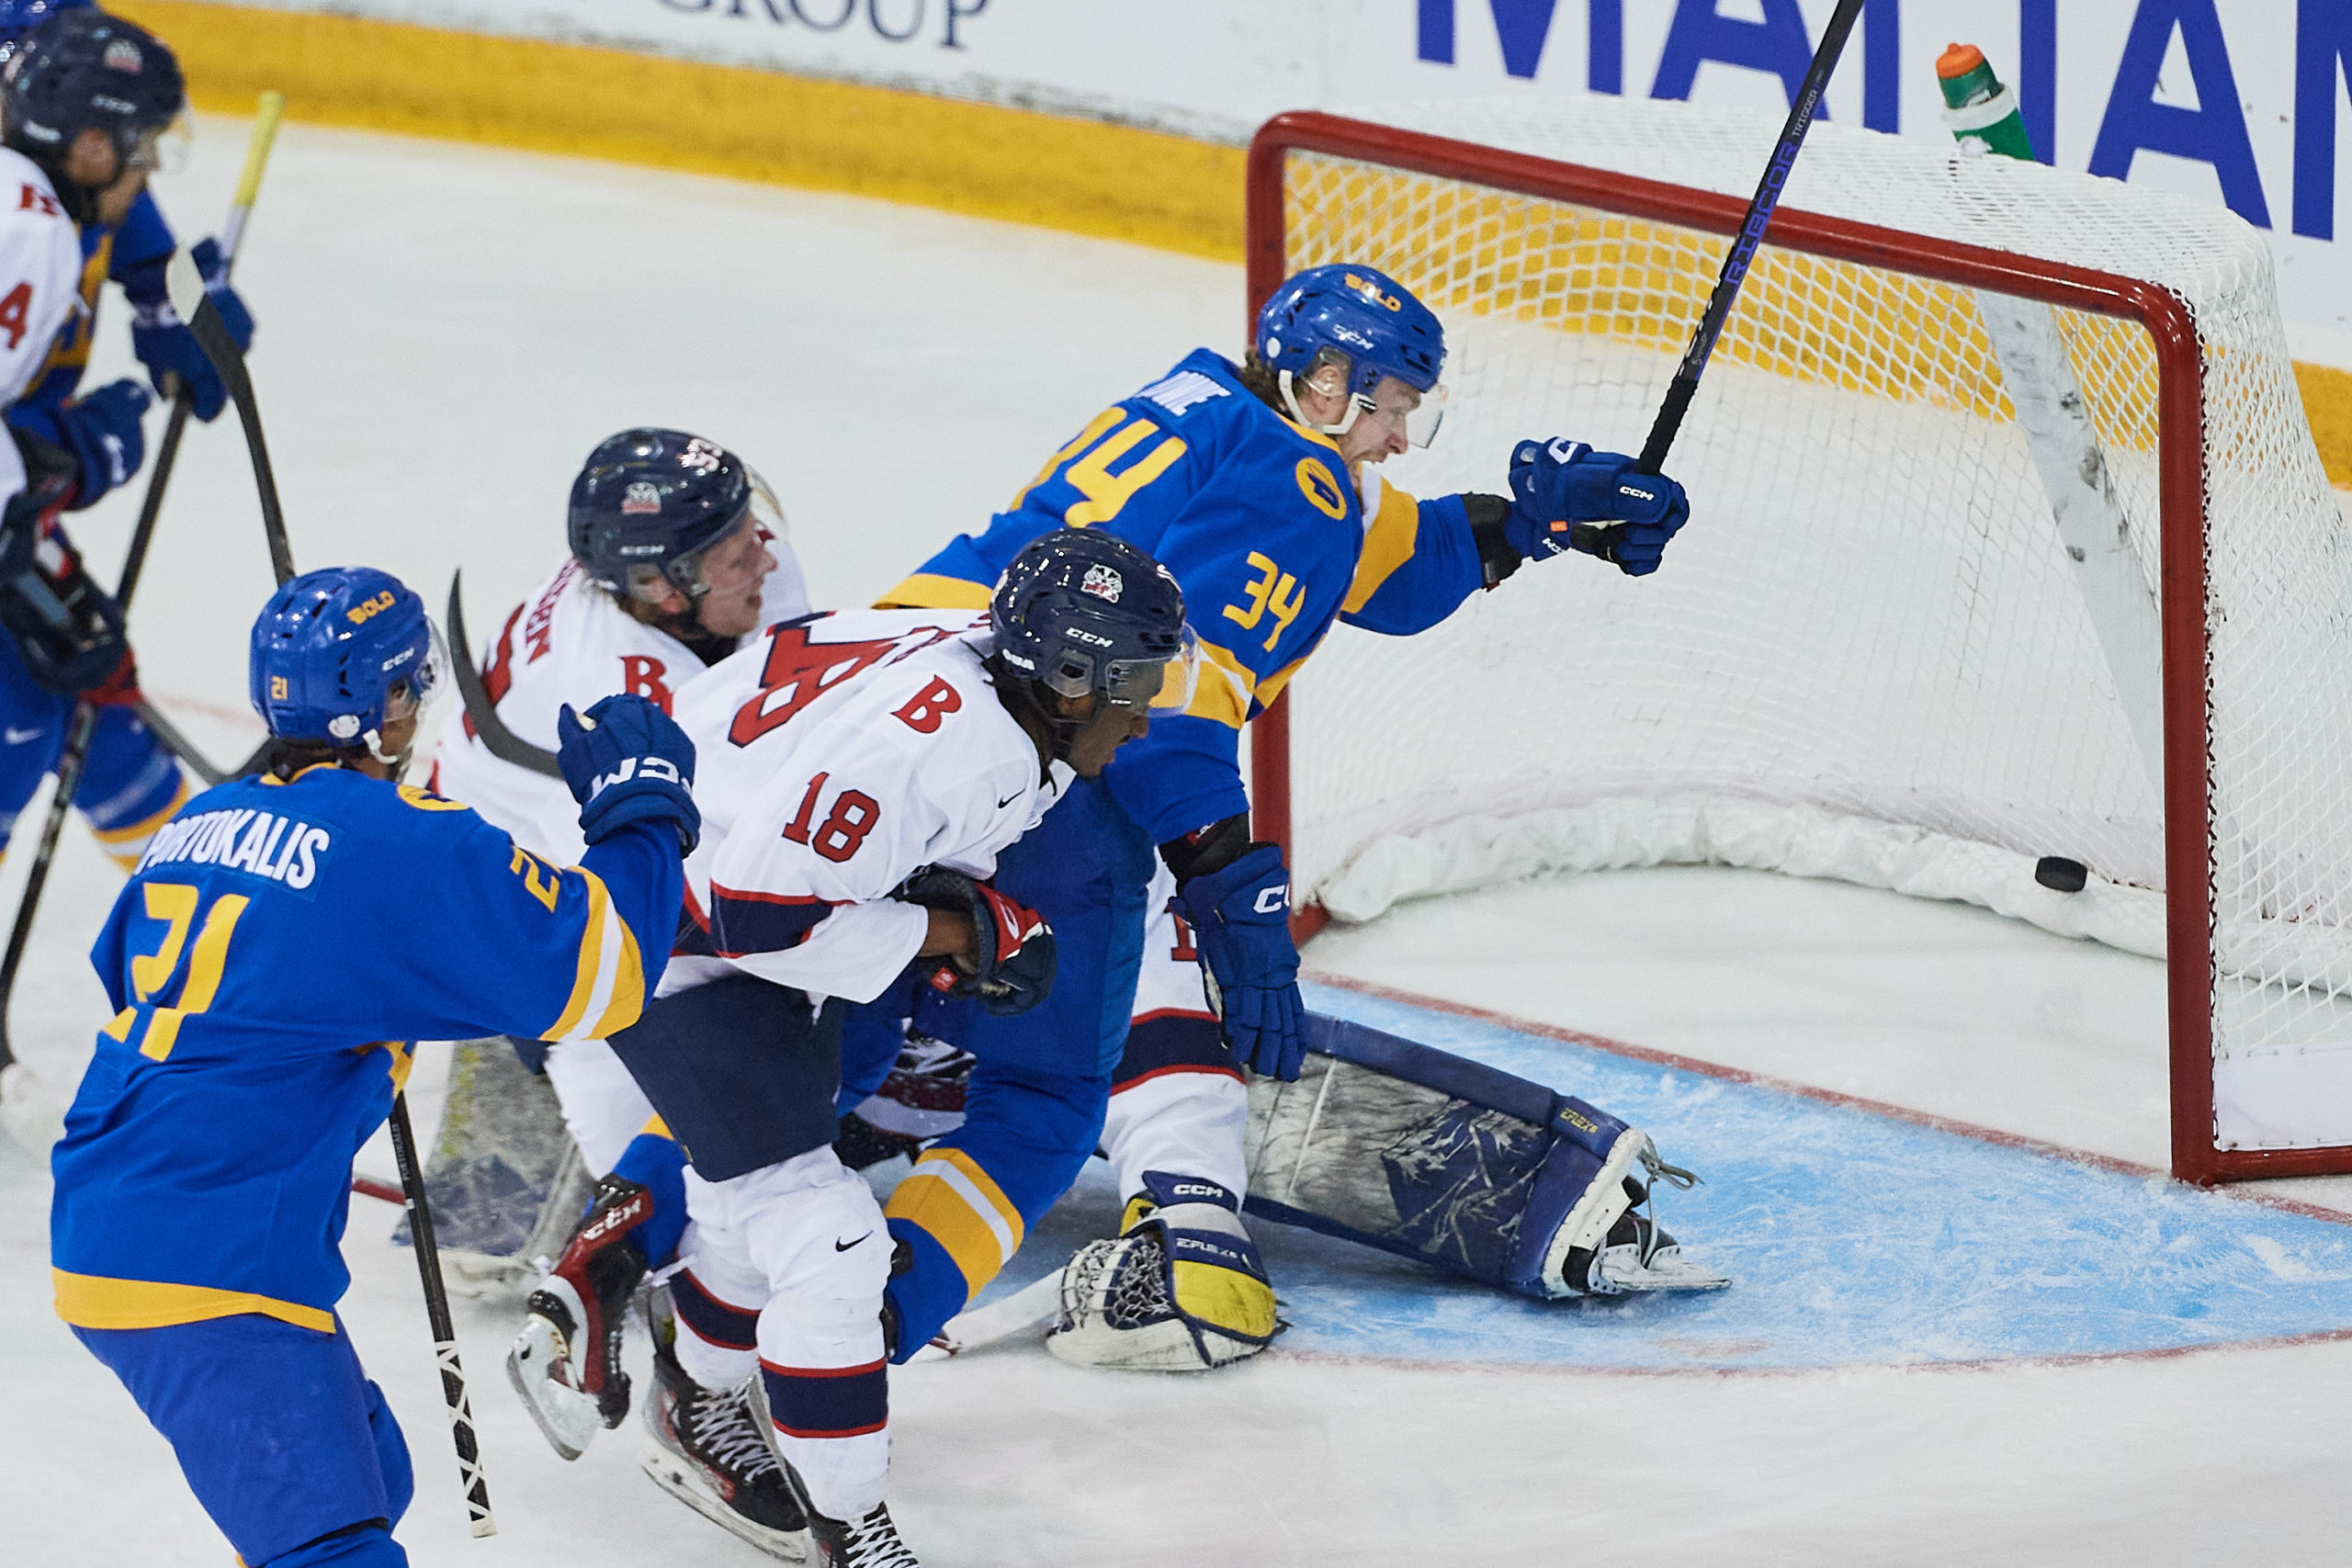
x=1224 y=689
x=1387 y=544
x=930 y=591
x=657 y=1127
x=92 y=1301
x=608 y=988
x=1272 y=686
x=138 y=833
x=950 y=1199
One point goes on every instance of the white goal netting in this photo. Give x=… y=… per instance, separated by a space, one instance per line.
x=1869 y=655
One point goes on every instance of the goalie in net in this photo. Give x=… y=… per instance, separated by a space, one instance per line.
x=1256 y=484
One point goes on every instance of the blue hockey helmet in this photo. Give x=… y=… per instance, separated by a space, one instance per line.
x=657 y=499
x=339 y=653
x=79 y=70
x=1078 y=611
x=1365 y=322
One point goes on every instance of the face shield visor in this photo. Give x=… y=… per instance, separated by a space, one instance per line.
x=1397 y=407
x=739 y=560
x=157 y=149
x=413 y=691
x=1158 y=688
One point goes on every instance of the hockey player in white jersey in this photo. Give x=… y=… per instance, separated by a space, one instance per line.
x=678 y=552
x=863 y=771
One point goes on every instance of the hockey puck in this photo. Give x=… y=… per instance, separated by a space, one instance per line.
x=2060 y=875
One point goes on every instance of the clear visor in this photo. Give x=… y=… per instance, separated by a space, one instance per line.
x=1392 y=405
x=1159 y=687
x=739 y=560
x=413 y=691
x=158 y=149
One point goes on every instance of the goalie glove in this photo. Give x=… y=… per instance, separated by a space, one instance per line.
x=1181 y=1289
x=1014 y=970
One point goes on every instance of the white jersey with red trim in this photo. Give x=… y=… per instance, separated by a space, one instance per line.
x=569 y=641
x=833 y=760
x=40 y=278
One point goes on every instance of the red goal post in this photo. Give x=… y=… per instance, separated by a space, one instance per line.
x=1272 y=250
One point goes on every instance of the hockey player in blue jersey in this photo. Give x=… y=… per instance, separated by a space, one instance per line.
x=1255 y=485
x=265 y=1006
x=88 y=97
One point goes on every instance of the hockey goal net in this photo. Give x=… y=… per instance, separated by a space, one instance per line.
x=2008 y=540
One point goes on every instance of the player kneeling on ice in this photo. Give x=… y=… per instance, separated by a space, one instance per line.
x=1256 y=485
x=265 y=1002
x=863 y=771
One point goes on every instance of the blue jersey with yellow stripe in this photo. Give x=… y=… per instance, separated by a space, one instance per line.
x=278 y=945
x=1260 y=520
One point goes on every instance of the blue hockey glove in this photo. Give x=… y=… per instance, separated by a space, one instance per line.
x=101 y=429
x=1014 y=970
x=1566 y=496
x=1241 y=917
x=628 y=762
x=163 y=343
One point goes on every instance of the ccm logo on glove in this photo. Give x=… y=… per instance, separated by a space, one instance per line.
x=660 y=768
x=1272 y=900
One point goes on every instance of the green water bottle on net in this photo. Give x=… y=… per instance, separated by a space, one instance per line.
x=1978 y=107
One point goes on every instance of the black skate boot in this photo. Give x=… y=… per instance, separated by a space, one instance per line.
x=711 y=1453
x=870 y=1542
x=566 y=1362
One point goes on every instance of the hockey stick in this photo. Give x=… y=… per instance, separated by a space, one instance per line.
x=975 y=1327
x=1591 y=537
x=75 y=759
x=504 y=743
x=196 y=308
x=436 y=1313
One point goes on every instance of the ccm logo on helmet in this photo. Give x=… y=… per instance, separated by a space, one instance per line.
x=1272 y=900
x=383 y=600
x=1373 y=292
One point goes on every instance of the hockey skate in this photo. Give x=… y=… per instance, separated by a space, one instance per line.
x=566 y=1361
x=711 y=1453
x=1638 y=1254
x=869 y=1542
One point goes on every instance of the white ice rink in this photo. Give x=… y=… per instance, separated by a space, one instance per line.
x=444 y=333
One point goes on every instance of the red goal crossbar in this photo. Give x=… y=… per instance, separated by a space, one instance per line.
x=2181 y=463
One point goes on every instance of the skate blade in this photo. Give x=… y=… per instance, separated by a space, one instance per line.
x=681 y=1481
x=568 y=1418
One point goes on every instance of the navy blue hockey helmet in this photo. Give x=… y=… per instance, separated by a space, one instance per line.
x=338 y=653
x=80 y=68
x=1364 y=320
x=659 y=499
x=1080 y=611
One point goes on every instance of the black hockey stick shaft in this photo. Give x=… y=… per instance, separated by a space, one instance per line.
x=1742 y=253
x=503 y=742
x=436 y=1313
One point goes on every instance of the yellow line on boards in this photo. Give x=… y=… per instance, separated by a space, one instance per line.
x=1085 y=177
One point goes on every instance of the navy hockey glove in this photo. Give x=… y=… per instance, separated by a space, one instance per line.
x=163 y=342
x=1240 y=916
x=67 y=630
x=1015 y=946
x=1566 y=496
x=628 y=762
x=101 y=429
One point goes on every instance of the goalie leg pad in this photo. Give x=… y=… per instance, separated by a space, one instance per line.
x=1423 y=1154
x=1181 y=1290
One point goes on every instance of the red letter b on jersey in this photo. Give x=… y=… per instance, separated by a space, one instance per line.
x=927 y=707
x=641 y=676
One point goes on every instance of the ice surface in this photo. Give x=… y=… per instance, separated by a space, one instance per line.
x=445 y=331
